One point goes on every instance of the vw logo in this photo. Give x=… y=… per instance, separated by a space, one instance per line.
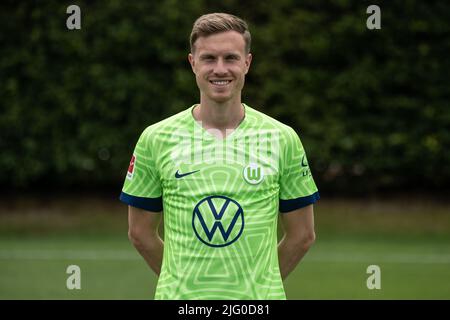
x=218 y=221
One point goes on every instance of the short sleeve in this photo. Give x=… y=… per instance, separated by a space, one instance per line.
x=142 y=186
x=297 y=186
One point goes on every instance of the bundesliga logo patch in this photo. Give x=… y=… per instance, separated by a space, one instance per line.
x=131 y=167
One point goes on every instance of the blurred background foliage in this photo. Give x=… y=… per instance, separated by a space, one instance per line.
x=371 y=106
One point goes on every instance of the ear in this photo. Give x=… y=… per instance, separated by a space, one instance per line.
x=191 y=61
x=248 y=62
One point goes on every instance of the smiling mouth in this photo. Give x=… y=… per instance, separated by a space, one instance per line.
x=220 y=82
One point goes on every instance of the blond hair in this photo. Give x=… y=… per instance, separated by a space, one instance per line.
x=212 y=23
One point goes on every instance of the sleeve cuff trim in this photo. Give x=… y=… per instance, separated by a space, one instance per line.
x=150 y=204
x=294 y=204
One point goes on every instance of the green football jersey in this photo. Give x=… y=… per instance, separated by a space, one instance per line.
x=220 y=200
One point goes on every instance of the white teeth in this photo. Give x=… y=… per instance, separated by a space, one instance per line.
x=221 y=83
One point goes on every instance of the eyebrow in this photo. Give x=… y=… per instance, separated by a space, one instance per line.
x=206 y=55
x=211 y=55
x=233 y=55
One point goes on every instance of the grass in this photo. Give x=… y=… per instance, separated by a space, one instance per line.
x=409 y=240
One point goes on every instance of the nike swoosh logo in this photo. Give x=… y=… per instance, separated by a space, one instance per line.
x=181 y=175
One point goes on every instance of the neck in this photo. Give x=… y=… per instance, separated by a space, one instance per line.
x=220 y=116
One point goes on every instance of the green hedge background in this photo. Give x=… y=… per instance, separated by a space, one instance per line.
x=371 y=106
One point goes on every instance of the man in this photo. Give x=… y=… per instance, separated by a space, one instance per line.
x=220 y=172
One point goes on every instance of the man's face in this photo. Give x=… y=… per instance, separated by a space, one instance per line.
x=220 y=64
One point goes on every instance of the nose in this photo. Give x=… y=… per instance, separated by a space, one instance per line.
x=220 y=68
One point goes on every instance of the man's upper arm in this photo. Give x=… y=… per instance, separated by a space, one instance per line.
x=142 y=186
x=143 y=221
x=299 y=223
x=297 y=186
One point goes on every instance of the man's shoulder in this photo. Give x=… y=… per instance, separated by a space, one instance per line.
x=264 y=121
x=168 y=124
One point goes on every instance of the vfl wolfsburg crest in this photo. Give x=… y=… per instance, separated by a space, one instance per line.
x=253 y=173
